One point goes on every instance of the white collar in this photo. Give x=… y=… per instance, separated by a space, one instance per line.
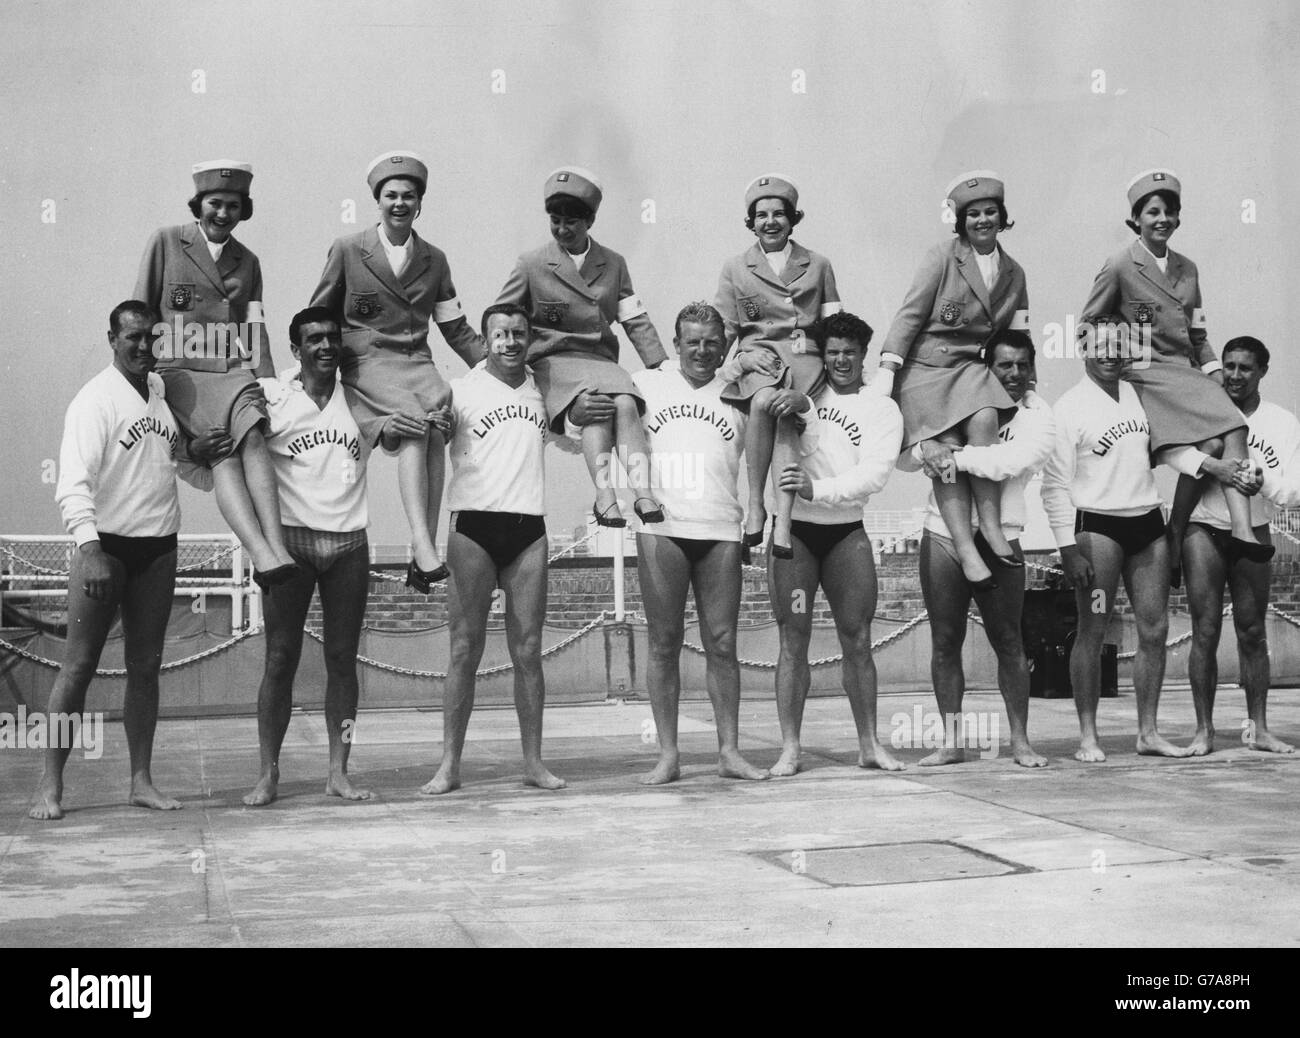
x=1161 y=261
x=777 y=260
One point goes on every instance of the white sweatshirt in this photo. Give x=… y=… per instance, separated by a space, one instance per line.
x=116 y=469
x=498 y=448
x=857 y=438
x=319 y=457
x=1101 y=461
x=695 y=443
x=1273 y=436
x=1024 y=445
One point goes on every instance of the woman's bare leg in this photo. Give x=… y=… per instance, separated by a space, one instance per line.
x=598 y=452
x=760 y=440
x=415 y=467
x=630 y=436
x=981 y=429
x=785 y=452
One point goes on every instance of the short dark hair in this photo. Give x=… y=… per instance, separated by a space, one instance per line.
x=959 y=228
x=311 y=315
x=419 y=184
x=131 y=306
x=795 y=216
x=1247 y=344
x=844 y=325
x=508 y=309
x=698 y=313
x=566 y=207
x=1016 y=339
x=1172 y=203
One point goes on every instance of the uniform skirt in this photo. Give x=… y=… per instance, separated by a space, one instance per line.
x=936 y=398
x=802 y=372
x=1183 y=405
x=562 y=376
x=206 y=400
x=383 y=380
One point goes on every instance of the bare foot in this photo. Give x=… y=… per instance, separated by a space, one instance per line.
x=1264 y=741
x=447 y=779
x=339 y=785
x=1024 y=755
x=1089 y=751
x=265 y=790
x=943 y=755
x=1156 y=745
x=665 y=771
x=540 y=776
x=143 y=794
x=1202 y=743
x=874 y=755
x=732 y=765
x=49 y=801
x=787 y=764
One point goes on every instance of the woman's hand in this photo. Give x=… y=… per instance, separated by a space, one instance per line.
x=787 y=402
x=1078 y=570
x=763 y=361
x=96 y=573
x=795 y=480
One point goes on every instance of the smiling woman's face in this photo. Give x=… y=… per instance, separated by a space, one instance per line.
x=1157 y=221
x=983 y=221
x=219 y=213
x=399 y=204
x=772 y=224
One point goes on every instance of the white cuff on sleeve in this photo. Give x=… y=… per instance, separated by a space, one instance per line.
x=1019 y=321
x=84 y=533
x=1198 y=318
x=629 y=307
x=447 y=310
x=1064 y=536
x=256 y=315
x=892 y=358
x=1212 y=367
x=831 y=308
x=1186 y=460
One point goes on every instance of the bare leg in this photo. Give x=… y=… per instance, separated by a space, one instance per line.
x=1207 y=573
x=89 y=622
x=947 y=598
x=417 y=463
x=1146 y=578
x=791 y=587
x=598 y=452
x=259 y=472
x=237 y=509
x=953 y=499
x=630 y=435
x=343 y=590
x=1186 y=494
x=1094 y=606
x=284 y=613
x=469 y=599
x=1250 y=587
x=1001 y=611
x=760 y=440
x=1235 y=450
x=524 y=581
x=785 y=452
x=664 y=578
x=981 y=429
x=146 y=608
x=849 y=577
x=716 y=579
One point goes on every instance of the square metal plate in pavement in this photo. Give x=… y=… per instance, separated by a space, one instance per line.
x=924 y=861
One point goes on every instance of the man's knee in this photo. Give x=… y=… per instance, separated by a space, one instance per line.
x=946 y=640
x=341 y=661
x=467 y=647
x=625 y=406
x=282 y=660
x=719 y=644
x=855 y=638
x=1206 y=629
x=1152 y=631
x=1252 y=636
x=666 y=642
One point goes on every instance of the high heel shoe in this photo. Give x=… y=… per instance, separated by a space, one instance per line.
x=1009 y=561
x=782 y=551
x=1251 y=551
x=423 y=580
x=273 y=577
x=747 y=542
x=649 y=515
x=615 y=521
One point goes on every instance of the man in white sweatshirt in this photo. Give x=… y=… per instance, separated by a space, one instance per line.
x=1104 y=510
x=117 y=494
x=857 y=436
x=497 y=500
x=1210 y=563
x=1024 y=444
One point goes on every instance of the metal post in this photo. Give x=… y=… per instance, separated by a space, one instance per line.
x=618 y=576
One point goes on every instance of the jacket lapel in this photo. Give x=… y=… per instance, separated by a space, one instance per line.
x=595 y=263
x=1150 y=270
x=376 y=261
x=796 y=266
x=417 y=263
x=196 y=247
x=761 y=269
x=563 y=268
x=970 y=270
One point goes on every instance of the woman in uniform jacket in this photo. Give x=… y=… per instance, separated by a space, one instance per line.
x=208 y=289
x=772 y=295
x=966 y=291
x=574 y=290
x=1174 y=369
x=386 y=283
